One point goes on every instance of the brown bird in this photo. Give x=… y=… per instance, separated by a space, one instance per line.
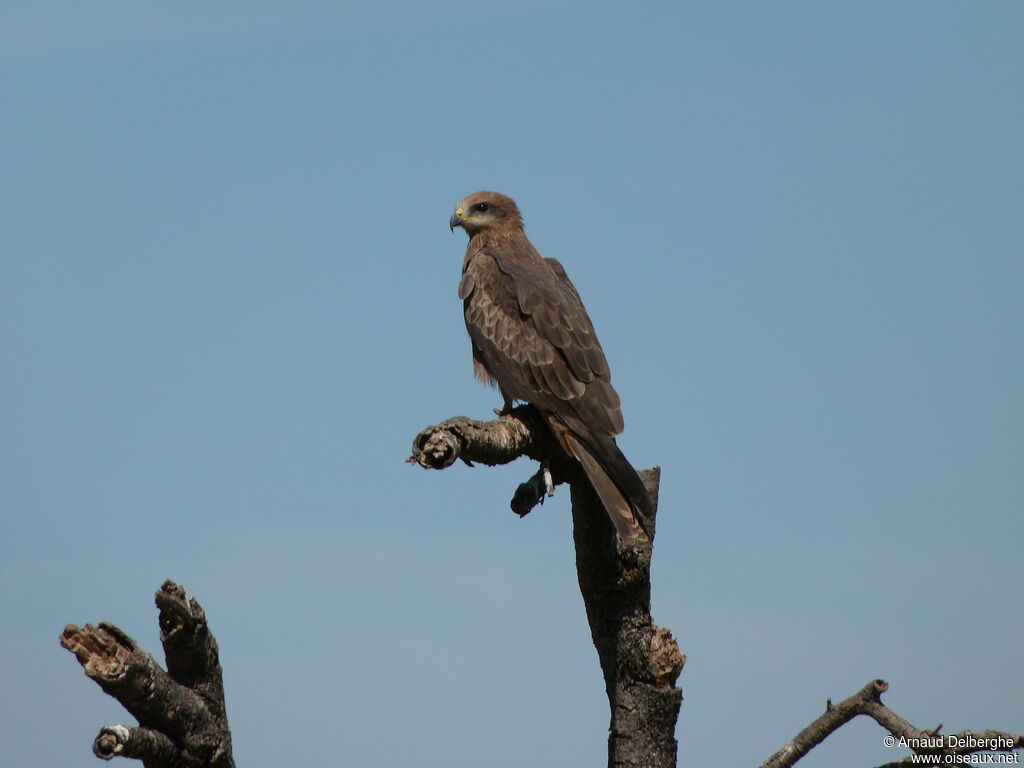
x=533 y=338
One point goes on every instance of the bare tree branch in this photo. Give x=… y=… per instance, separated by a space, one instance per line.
x=501 y=441
x=832 y=719
x=181 y=714
x=868 y=701
x=152 y=747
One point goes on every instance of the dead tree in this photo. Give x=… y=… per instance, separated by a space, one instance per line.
x=182 y=722
x=640 y=661
x=180 y=711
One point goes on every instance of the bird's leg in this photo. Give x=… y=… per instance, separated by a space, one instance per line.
x=506 y=409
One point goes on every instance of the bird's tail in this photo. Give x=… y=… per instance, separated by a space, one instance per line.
x=618 y=485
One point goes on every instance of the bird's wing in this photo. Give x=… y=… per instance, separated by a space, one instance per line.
x=534 y=337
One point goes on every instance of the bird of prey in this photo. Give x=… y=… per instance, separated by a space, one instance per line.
x=533 y=338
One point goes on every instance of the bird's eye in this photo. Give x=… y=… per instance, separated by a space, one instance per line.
x=482 y=207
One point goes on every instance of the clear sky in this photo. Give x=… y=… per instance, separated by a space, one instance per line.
x=228 y=303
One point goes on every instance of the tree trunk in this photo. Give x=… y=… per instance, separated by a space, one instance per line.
x=640 y=661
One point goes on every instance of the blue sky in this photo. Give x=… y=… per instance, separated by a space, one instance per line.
x=229 y=302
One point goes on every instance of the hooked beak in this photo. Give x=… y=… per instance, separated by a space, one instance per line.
x=454 y=221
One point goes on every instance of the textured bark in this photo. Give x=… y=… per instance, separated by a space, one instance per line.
x=519 y=433
x=639 y=660
x=181 y=714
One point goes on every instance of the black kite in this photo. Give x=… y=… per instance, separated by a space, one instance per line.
x=533 y=338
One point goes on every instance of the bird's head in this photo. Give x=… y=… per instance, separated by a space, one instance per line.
x=486 y=211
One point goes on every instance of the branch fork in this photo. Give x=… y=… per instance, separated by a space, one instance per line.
x=868 y=701
x=180 y=711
